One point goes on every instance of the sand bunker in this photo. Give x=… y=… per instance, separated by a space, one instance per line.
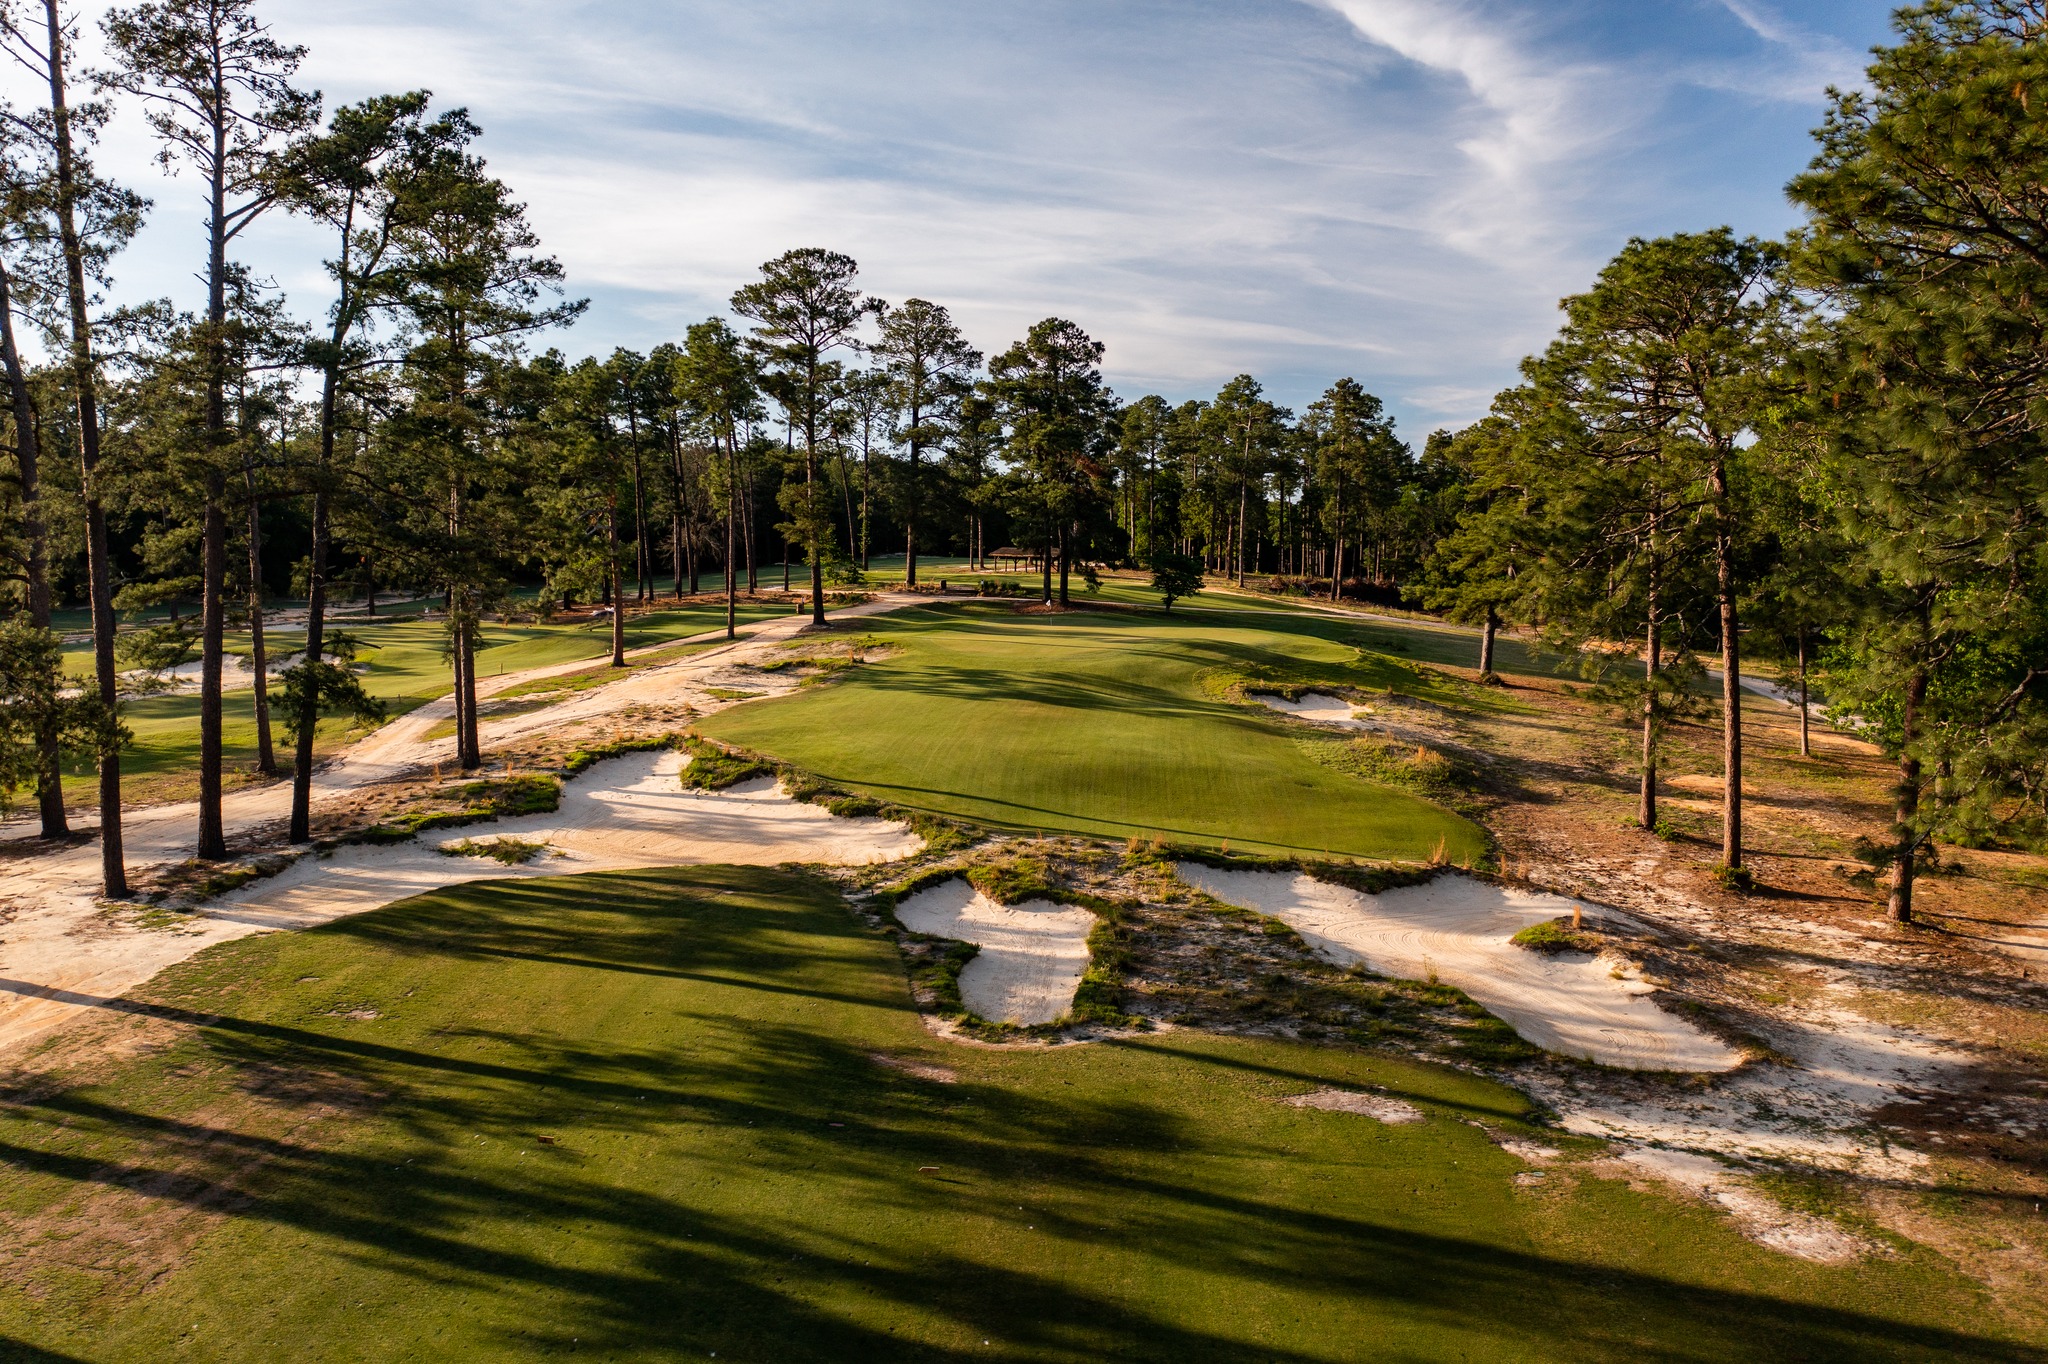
x=1377 y=1106
x=1032 y=955
x=627 y=813
x=1316 y=706
x=1458 y=928
x=623 y=814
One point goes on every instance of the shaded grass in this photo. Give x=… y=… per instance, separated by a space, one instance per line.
x=635 y=1117
x=1097 y=724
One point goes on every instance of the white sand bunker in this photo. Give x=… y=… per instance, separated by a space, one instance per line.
x=626 y=813
x=1377 y=1106
x=1032 y=955
x=1459 y=928
x=1319 y=707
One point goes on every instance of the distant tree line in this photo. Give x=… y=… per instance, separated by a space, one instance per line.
x=1822 y=450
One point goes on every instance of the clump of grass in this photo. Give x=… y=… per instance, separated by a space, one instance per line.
x=510 y=851
x=1738 y=880
x=584 y=758
x=498 y=798
x=1418 y=767
x=531 y=793
x=1555 y=935
x=1012 y=880
x=715 y=768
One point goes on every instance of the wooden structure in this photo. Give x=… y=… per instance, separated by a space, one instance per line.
x=1008 y=559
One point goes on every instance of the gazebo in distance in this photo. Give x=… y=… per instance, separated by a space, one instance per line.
x=1012 y=560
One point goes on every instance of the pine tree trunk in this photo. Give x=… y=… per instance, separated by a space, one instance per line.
x=1244 y=500
x=1337 y=549
x=1731 y=679
x=1486 y=642
x=85 y=388
x=1653 y=659
x=472 y=739
x=1899 y=901
x=732 y=575
x=259 y=659
x=213 y=845
x=1065 y=542
x=1805 y=741
x=316 y=642
x=611 y=529
x=910 y=511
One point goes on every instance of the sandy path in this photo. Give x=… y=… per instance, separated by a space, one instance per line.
x=1032 y=954
x=1459 y=928
x=1319 y=707
x=625 y=813
x=55 y=937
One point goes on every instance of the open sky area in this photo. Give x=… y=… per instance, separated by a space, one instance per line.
x=1393 y=189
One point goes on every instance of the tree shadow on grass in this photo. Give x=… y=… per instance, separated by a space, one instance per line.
x=698 y=1197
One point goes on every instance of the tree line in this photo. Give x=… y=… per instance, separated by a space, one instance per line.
x=1820 y=450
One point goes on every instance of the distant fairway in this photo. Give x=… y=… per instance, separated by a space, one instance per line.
x=1096 y=723
x=639 y=1118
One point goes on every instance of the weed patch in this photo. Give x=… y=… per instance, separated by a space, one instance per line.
x=510 y=851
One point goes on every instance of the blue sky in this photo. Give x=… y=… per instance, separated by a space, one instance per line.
x=1398 y=190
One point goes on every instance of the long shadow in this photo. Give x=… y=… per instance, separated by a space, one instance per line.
x=654 y=1261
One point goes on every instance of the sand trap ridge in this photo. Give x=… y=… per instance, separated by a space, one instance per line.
x=1032 y=956
x=1459 y=928
x=1319 y=707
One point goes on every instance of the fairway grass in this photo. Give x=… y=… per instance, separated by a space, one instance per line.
x=1098 y=723
x=639 y=1117
x=404 y=666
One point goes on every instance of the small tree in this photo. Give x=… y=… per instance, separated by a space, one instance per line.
x=1175 y=575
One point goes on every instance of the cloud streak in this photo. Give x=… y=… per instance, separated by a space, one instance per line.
x=1392 y=189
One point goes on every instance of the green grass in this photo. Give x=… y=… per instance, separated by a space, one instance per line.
x=635 y=1117
x=405 y=669
x=1100 y=724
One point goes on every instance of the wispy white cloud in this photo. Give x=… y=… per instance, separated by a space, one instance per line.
x=1395 y=189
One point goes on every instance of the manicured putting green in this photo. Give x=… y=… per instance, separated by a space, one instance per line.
x=640 y=1118
x=1097 y=723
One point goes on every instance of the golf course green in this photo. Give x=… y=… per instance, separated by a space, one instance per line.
x=1099 y=723
x=654 y=1116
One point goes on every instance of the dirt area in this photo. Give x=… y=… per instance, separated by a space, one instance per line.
x=1901 y=1071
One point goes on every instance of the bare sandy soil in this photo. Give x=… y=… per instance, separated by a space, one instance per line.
x=1382 y=1107
x=1457 y=928
x=1032 y=956
x=63 y=950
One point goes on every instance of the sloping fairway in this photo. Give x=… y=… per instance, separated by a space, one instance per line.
x=1096 y=723
x=642 y=1117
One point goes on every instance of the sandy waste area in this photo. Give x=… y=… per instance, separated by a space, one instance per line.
x=1032 y=956
x=1458 y=928
x=63 y=952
